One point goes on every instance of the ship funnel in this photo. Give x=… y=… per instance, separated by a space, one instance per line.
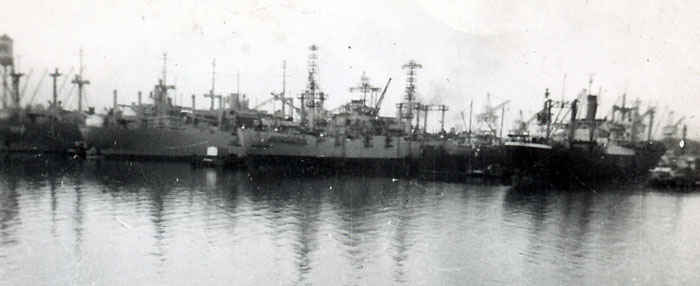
x=114 y=100
x=591 y=107
x=6 y=56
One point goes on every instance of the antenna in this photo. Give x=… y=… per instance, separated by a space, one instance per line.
x=165 y=68
x=213 y=75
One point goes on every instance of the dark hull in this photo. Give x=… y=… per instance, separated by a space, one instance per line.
x=43 y=135
x=182 y=144
x=437 y=163
x=580 y=165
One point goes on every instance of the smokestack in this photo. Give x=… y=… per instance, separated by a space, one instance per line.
x=193 y=104
x=591 y=107
x=236 y=101
x=651 y=124
x=590 y=114
x=114 y=100
x=572 y=123
x=139 y=98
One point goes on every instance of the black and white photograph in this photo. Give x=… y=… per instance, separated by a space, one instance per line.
x=311 y=142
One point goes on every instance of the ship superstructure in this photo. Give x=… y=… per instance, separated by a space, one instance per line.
x=588 y=148
x=452 y=155
x=352 y=135
x=163 y=130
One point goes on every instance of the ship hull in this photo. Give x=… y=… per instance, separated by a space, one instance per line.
x=313 y=154
x=581 y=164
x=457 y=162
x=44 y=135
x=178 y=144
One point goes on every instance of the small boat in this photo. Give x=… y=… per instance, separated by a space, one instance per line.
x=210 y=159
x=676 y=171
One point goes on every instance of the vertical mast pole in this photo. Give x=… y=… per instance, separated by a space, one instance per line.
x=55 y=75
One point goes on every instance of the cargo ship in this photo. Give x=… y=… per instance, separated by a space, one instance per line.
x=455 y=156
x=352 y=137
x=32 y=129
x=165 y=131
x=584 y=150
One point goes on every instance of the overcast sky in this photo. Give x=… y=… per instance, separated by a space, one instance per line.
x=511 y=49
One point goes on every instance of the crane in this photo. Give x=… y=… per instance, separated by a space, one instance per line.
x=522 y=124
x=651 y=111
x=285 y=101
x=378 y=104
x=26 y=82
x=671 y=129
x=265 y=102
x=489 y=117
x=65 y=81
x=38 y=86
x=280 y=96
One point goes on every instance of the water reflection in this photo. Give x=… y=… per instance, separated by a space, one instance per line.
x=401 y=240
x=9 y=207
x=162 y=223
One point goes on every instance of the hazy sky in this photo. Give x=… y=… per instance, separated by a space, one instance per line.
x=511 y=49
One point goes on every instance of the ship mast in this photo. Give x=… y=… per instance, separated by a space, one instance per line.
x=213 y=75
x=55 y=76
x=15 y=87
x=4 y=86
x=162 y=88
x=211 y=95
x=410 y=96
x=6 y=60
x=471 y=109
x=80 y=82
x=284 y=87
x=281 y=96
x=312 y=97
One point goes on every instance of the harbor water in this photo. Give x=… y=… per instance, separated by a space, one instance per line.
x=65 y=222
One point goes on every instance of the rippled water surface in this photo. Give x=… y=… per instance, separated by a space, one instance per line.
x=120 y=223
